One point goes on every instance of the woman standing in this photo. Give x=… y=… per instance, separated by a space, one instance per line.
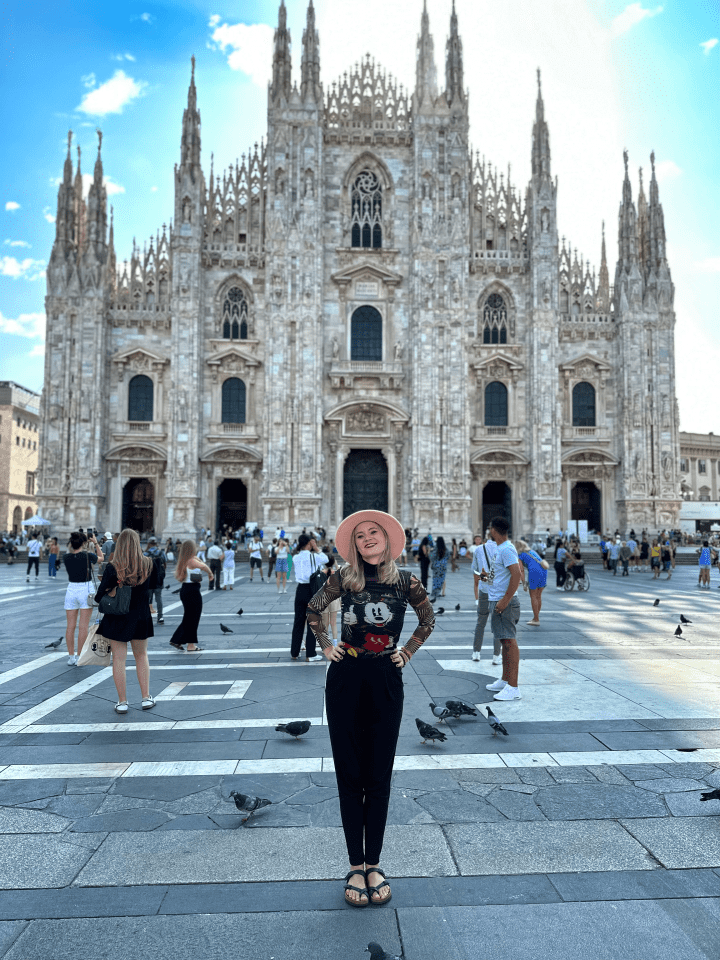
x=188 y=572
x=424 y=558
x=454 y=556
x=129 y=568
x=78 y=564
x=53 y=557
x=704 y=563
x=439 y=560
x=281 y=565
x=560 y=574
x=536 y=578
x=644 y=553
x=364 y=686
x=228 y=568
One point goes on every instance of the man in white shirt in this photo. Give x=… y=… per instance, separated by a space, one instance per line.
x=215 y=556
x=632 y=546
x=306 y=562
x=482 y=556
x=33 y=546
x=201 y=549
x=503 y=580
x=256 y=551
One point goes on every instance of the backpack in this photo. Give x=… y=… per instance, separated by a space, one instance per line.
x=158 y=558
x=318 y=577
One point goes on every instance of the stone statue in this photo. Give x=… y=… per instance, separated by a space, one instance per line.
x=398 y=351
x=335 y=348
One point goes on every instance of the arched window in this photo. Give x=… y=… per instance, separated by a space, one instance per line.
x=496 y=404
x=233 y=401
x=583 y=405
x=235 y=315
x=495 y=320
x=366 y=214
x=140 y=398
x=366 y=334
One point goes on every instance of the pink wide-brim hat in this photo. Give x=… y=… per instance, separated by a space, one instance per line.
x=392 y=527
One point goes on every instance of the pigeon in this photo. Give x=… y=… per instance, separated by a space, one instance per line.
x=440 y=610
x=457 y=606
x=226 y=629
x=240 y=612
x=656 y=603
x=678 y=631
x=377 y=953
x=168 y=586
x=497 y=727
x=177 y=591
x=459 y=709
x=684 y=619
x=248 y=804
x=440 y=712
x=429 y=733
x=712 y=795
x=55 y=644
x=296 y=728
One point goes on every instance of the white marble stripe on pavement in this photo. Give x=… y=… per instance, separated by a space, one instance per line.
x=59 y=700
x=437 y=761
x=138 y=726
x=15 y=672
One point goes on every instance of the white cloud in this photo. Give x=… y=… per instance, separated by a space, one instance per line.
x=214 y=20
x=16 y=243
x=111 y=187
x=708 y=45
x=708 y=265
x=632 y=14
x=123 y=56
x=250 y=48
x=667 y=170
x=89 y=80
x=29 y=325
x=113 y=95
x=48 y=215
x=147 y=18
x=153 y=189
x=28 y=268
x=11 y=205
x=38 y=350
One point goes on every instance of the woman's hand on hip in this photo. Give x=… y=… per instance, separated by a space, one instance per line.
x=398 y=659
x=334 y=653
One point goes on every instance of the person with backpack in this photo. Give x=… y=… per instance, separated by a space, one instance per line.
x=159 y=559
x=308 y=565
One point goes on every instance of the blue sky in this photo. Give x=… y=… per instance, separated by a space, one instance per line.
x=642 y=75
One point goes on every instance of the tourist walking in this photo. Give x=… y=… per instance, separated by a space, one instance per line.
x=272 y=555
x=79 y=563
x=158 y=557
x=308 y=561
x=228 y=567
x=188 y=571
x=625 y=555
x=454 y=556
x=644 y=554
x=704 y=563
x=34 y=547
x=503 y=581
x=483 y=555
x=536 y=579
x=655 y=559
x=631 y=544
x=281 y=565
x=256 y=551
x=439 y=562
x=364 y=685
x=560 y=572
x=53 y=558
x=424 y=559
x=614 y=556
x=215 y=557
x=129 y=568
x=666 y=553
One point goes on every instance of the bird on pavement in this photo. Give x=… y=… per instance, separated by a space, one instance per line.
x=457 y=606
x=429 y=733
x=377 y=953
x=168 y=586
x=247 y=804
x=55 y=644
x=678 y=631
x=240 y=612
x=459 y=709
x=497 y=727
x=226 y=629
x=440 y=712
x=684 y=619
x=177 y=591
x=440 y=610
x=296 y=728
x=656 y=603
x=712 y=795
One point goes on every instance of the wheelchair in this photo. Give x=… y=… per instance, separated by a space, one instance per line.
x=577 y=576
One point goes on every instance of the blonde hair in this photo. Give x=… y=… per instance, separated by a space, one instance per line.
x=521 y=546
x=185 y=554
x=130 y=565
x=352 y=576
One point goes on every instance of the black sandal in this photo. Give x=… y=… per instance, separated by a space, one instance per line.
x=372 y=890
x=359 y=890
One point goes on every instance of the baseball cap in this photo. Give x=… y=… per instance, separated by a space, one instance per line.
x=108 y=535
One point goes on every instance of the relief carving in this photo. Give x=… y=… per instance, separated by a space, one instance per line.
x=365 y=420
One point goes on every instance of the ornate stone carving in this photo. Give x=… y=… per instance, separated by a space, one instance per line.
x=365 y=420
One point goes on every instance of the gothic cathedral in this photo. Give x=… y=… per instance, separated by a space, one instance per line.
x=360 y=313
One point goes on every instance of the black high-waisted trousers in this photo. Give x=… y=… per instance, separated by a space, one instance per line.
x=364 y=703
x=191 y=598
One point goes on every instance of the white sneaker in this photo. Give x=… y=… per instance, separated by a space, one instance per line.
x=497 y=685
x=71 y=661
x=476 y=655
x=560 y=588
x=314 y=659
x=508 y=693
x=496 y=661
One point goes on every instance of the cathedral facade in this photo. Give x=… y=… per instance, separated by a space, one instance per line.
x=359 y=313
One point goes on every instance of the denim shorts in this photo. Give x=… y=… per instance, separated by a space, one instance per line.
x=503 y=624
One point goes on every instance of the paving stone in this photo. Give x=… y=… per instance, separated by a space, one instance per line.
x=642 y=771
x=81 y=902
x=599 y=801
x=89 y=785
x=406 y=810
x=636 y=884
x=327 y=779
x=326 y=813
x=195 y=803
x=111 y=803
x=690 y=805
x=190 y=822
x=713 y=779
x=122 y=821
x=671 y=785
x=23 y=791
x=162 y=788
x=680 y=842
x=76 y=806
x=479 y=789
x=9 y=932
x=278 y=815
x=696 y=770
x=520 y=787
x=313 y=795
x=608 y=774
x=458 y=806
x=571 y=775
x=90 y=840
x=515 y=806
x=549 y=847
x=20 y=820
x=274 y=786
x=39 y=861
x=37 y=804
x=535 y=775
x=257 y=855
x=429 y=780
x=490 y=775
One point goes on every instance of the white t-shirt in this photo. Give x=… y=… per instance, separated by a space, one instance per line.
x=479 y=563
x=256 y=549
x=34 y=548
x=229 y=559
x=632 y=545
x=305 y=563
x=506 y=555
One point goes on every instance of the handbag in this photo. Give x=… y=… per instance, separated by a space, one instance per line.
x=96 y=649
x=91 y=577
x=317 y=578
x=196 y=576
x=116 y=604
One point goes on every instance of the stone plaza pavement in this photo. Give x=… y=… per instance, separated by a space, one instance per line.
x=580 y=835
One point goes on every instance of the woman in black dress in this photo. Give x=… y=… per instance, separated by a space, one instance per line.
x=129 y=568
x=424 y=559
x=188 y=572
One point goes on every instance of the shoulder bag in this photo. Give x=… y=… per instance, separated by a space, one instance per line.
x=96 y=650
x=318 y=577
x=117 y=603
x=90 y=576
